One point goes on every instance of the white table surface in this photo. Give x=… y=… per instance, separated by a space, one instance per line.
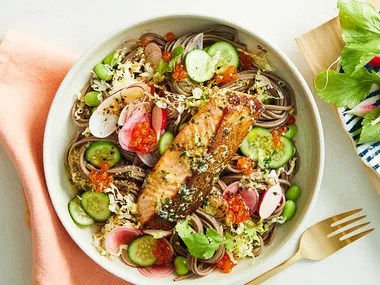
x=75 y=25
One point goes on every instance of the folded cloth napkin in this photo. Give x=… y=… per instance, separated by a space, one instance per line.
x=30 y=74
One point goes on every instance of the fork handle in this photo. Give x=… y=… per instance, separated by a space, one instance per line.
x=274 y=271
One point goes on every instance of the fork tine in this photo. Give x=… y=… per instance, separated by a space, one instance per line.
x=349 y=240
x=342 y=225
x=350 y=230
x=341 y=216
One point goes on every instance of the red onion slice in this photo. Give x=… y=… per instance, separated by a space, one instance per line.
x=157 y=271
x=125 y=134
x=120 y=235
x=251 y=199
x=233 y=188
x=126 y=259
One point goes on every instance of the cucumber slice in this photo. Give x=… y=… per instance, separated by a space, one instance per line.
x=140 y=250
x=199 y=65
x=206 y=48
x=77 y=213
x=283 y=154
x=258 y=144
x=103 y=151
x=96 y=205
x=164 y=142
x=228 y=55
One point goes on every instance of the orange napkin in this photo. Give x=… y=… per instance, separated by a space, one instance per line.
x=30 y=73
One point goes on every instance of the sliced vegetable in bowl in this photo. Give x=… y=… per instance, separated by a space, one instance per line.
x=259 y=145
x=103 y=151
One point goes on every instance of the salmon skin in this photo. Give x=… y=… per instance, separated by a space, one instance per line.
x=187 y=171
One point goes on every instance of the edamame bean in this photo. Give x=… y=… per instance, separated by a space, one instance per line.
x=180 y=265
x=109 y=59
x=293 y=193
x=289 y=209
x=182 y=126
x=268 y=101
x=292 y=131
x=91 y=99
x=102 y=72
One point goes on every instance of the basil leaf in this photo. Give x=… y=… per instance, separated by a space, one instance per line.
x=371 y=128
x=345 y=90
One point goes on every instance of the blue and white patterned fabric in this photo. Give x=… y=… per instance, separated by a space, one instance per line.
x=369 y=153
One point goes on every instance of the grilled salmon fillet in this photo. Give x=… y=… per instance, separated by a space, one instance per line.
x=186 y=172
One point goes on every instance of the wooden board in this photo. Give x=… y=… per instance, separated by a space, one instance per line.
x=321 y=47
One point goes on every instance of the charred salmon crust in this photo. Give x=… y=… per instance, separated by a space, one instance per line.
x=187 y=171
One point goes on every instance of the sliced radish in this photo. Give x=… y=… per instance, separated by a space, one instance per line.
x=126 y=259
x=155 y=57
x=375 y=61
x=251 y=199
x=157 y=271
x=158 y=120
x=364 y=107
x=269 y=201
x=149 y=159
x=147 y=87
x=158 y=233
x=125 y=135
x=103 y=121
x=152 y=47
x=153 y=53
x=119 y=236
x=233 y=188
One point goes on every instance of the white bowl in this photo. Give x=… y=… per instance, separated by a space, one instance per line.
x=309 y=144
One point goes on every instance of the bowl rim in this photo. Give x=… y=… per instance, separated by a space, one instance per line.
x=48 y=132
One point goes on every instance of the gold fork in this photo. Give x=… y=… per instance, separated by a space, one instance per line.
x=320 y=241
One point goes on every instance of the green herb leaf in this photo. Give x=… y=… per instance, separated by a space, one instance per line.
x=214 y=236
x=178 y=50
x=176 y=53
x=371 y=128
x=345 y=90
x=164 y=66
x=228 y=242
x=161 y=68
x=360 y=23
x=199 y=245
x=355 y=55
